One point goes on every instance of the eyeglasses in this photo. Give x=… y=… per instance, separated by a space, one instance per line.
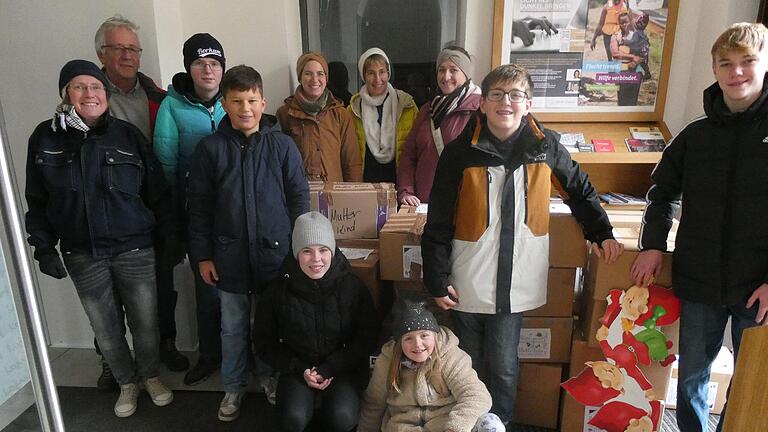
x=81 y=88
x=124 y=49
x=216 y=66
x=515 y=96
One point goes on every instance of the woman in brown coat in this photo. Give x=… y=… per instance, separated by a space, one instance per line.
x=320 y=125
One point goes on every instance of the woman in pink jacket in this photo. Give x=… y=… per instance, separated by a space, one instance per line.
x=438 y=123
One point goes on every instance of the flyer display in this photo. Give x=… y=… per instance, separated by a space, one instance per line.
x=590 y=56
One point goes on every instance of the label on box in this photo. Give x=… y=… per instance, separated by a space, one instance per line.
x=412 y=255
x=589 y=412
x=671 y=399
x=535 y=343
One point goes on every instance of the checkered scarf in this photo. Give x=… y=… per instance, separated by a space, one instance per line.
x=66 y=115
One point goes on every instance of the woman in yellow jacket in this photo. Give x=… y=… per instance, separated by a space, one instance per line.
x=383 y=117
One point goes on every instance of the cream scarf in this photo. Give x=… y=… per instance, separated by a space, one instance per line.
x=380 y=139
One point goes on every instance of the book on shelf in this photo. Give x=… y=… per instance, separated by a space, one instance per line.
x=603 y=145
x=646 y=133
x=645 y=145
x=571 y=141
x=620 y=199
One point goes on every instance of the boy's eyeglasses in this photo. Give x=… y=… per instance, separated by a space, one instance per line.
x=515 y=96
x=81 y=88
x=135 y=51
x=201 y=66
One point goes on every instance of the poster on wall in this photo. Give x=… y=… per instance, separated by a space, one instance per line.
x=587 y=55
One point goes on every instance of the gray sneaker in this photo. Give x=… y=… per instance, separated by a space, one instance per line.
x=229 y=409
x=126 y=403
x=160 y=394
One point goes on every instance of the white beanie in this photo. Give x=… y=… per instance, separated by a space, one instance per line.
x=313 y=229
x=370 y=52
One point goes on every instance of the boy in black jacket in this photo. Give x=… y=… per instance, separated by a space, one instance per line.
x=246 y=189
x=717 y=162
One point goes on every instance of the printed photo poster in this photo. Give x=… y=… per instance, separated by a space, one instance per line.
x=588 y=54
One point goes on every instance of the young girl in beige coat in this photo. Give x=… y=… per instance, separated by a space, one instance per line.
x=423 y=381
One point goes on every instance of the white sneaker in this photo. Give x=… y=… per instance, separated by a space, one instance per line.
x=229 y=409
x=160 y=394
x=126 y=403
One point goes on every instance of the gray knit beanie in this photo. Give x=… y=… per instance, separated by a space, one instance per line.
x=409 y=314
x=313 y=229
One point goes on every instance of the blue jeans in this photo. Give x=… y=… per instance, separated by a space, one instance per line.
x=491 y=341
x=132 y=275
x=208 y=313
x=701 y=335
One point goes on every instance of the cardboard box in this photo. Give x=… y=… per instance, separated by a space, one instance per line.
x=561 y=286
x=545 y=340
x=567 y=246
x=719 y=379
x=538 y=395
x=368 y=270
x=600 y=278
x=401 y=247
x=356 y=210
x=574 y=416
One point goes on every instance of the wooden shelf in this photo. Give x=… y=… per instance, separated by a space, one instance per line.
x=619 y=171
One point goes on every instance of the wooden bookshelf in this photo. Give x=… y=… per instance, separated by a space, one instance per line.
x=619 y=171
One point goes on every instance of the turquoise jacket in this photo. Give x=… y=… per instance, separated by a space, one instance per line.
x=181 y=122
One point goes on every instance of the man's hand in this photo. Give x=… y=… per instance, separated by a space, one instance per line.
x=448 y=302
x=208 y=272
x=52 y=266
x=315 y=380
x=609 y=250
x=646 y=267
x=760 y=295
x=541 y=23
x=521 y=30
x=411 y=200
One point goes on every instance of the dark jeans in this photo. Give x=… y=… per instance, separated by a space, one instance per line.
x=701 y=335
x=491 y=341
x=132 y=275
x=208 y=312
x=166 y=298
x=296 y=402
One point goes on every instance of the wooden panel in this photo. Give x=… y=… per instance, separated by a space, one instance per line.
x=748 y=401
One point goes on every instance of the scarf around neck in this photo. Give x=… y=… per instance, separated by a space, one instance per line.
x=65 y=115
x=442 y=105
x=312 y=108
x=380 y=138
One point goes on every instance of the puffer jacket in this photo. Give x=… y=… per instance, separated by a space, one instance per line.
x=487 y=231
x=329 y=324
x=456 y=403
x=244 y=195
x=181 y=122
x=327 y=142
x=717 y=166
x=100 y=192
x=418 y=161
x=408 y=111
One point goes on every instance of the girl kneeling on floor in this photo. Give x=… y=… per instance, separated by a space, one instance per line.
x=316 y=325
x=423 y=381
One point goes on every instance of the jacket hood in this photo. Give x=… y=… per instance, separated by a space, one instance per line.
x=305 y=287
x=716 y=110
x=404 y=100
x=183 y=88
